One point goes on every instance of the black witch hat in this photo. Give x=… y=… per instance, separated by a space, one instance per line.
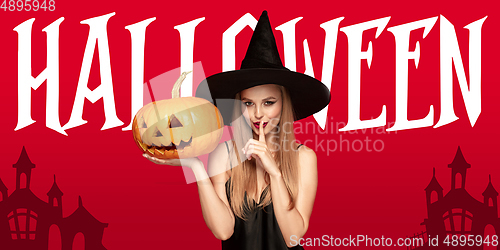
x=262 y=65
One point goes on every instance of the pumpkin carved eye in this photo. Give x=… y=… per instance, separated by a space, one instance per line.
x=157 y=133
x=142 y=123
x=174 y=122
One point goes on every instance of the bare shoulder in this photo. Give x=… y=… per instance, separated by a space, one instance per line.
x=218 y=161
x=308 y=165
x=306 y=155
x=220 y=152
x=218 y=171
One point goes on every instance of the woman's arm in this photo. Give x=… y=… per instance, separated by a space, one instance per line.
x=214 y=204
x=212 y=192
x=294 y=222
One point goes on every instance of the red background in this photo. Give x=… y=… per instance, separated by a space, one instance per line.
x=151 y=207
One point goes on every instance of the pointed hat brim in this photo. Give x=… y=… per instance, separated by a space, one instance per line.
x=308 y=95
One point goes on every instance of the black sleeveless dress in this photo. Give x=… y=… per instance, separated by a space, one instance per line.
x=259 y=232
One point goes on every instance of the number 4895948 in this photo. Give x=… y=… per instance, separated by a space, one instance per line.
x=28 y=5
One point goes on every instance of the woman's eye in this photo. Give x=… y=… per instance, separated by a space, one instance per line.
x=248 y=103
x=269 y=103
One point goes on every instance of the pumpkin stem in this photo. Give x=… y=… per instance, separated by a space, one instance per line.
x=177 y=86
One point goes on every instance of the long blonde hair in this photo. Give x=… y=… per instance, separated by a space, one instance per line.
x=244 y=176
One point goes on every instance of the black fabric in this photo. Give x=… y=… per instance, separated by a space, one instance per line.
x=260 y=231
x=262 y=51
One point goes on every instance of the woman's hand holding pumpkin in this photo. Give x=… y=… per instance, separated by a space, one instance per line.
x=262 y=154
x=188 y=162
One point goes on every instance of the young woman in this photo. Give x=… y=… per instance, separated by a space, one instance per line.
x=262 y=184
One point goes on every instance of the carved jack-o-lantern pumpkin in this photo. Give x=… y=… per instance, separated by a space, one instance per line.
x=179 y=127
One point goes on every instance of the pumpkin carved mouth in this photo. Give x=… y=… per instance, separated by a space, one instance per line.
x=172 y=146
x=171 y=150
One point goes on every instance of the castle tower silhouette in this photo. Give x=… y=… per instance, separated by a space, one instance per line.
x=25 y=219
x=457 y=212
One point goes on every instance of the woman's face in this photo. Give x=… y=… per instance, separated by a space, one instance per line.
x=262 y=103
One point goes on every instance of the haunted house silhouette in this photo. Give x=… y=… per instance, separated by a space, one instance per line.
x=457 y=212
x=25 y=219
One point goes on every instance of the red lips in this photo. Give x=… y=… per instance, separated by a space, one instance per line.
x=257 y=124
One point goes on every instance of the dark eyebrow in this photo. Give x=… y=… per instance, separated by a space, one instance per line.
x=265 y=99
x=269 y=98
